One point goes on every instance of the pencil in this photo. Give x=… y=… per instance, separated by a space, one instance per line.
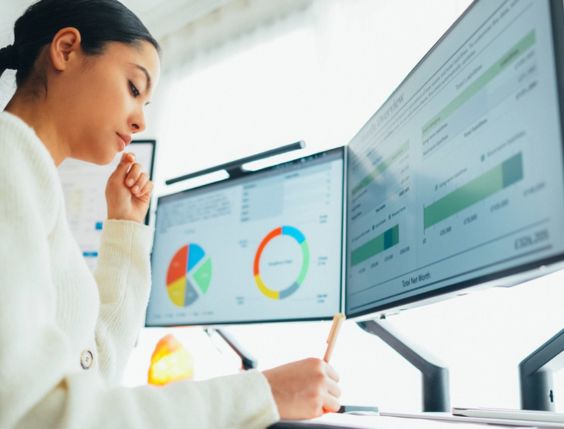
x=335 y=327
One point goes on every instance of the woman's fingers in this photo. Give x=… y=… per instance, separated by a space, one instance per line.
x=137 y=187
x=138 y=181
x=133 y=175
x=333 y=388
x=128 y=191
x=304 y=389
x=331 y=403
x=147 y=189
x=330 y=371
x=125 y=164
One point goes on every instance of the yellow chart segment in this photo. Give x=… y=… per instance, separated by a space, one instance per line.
x=177 y=291
x=266 y=291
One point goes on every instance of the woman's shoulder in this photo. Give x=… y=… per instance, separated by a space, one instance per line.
x=25 y=163
x=20 y=146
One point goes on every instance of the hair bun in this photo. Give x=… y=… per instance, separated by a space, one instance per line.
x=8 y=58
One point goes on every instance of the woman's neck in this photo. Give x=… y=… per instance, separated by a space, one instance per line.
x=36 y=113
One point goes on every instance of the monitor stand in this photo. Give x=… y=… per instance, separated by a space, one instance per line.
x=247 y=360
x=434 y=376
x=535 y=373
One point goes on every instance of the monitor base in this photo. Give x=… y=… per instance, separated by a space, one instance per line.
x=535 y=374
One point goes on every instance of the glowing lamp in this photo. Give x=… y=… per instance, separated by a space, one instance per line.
x=170 y=362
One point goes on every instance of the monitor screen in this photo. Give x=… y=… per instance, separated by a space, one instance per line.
x=84 y=186
x=457 y=179
x=266 y=246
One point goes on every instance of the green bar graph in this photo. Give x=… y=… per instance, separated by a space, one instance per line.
x=485 y=185
x=384 y=241
x=381 y=168
x=484 y=79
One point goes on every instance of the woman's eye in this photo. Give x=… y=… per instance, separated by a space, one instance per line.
x=134 y=89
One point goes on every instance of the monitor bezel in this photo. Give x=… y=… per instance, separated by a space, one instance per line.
x=153 y=143
x=342 y=156
x=507 y=277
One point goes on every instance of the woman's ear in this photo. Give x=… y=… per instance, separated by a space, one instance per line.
x=64 y=48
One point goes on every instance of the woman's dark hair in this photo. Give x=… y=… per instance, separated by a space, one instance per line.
x=99 y=22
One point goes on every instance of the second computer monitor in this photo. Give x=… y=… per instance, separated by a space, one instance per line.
x=457 y=179
x=263 y=247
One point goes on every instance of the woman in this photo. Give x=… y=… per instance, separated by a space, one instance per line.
x=85 y=71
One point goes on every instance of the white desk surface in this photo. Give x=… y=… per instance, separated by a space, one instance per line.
x=412 y=421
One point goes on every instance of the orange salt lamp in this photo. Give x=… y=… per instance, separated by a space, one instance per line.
x=170 y=362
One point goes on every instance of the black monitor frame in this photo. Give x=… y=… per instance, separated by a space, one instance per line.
x=153 y=143
x=243 y=174
x=508 y=277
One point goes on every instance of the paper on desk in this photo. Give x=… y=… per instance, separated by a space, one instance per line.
x=382 y=422
x=446 y=417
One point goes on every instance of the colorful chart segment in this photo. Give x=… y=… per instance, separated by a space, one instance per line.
x=297 y=235
x=188 y=275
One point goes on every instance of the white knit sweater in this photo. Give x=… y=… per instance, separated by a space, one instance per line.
x=53 y=311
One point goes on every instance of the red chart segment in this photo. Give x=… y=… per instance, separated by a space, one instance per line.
x=177 y=266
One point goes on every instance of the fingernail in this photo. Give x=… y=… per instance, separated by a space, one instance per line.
x=129 y=182
x=136 y=189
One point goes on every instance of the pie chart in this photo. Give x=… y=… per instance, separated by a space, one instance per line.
x=189 y=275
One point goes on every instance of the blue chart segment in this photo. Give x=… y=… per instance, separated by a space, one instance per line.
x=299 y=237
x=195 y=255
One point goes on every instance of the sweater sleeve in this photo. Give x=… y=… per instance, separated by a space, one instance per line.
x=230 y=402
x=38 y=389
x=123 y=278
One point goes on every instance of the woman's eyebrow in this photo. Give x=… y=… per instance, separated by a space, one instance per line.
x=147 y=75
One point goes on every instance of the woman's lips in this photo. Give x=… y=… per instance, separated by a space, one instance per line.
x=125 y=139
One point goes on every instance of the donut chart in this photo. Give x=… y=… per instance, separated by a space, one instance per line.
x=300 y=239
x=188 y=275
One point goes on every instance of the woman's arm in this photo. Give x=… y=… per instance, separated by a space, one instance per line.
x=40 y=385
x=123 y=278
x=123 y=270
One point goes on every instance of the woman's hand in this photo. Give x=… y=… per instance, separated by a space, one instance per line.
x=304 y=389
x=128 y=191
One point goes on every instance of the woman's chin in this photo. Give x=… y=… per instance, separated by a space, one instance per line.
x=103 y=159
x=110 y=158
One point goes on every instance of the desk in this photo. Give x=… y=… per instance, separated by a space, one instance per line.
x=405 y=421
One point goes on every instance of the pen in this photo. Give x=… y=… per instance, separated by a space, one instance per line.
x=335 y=327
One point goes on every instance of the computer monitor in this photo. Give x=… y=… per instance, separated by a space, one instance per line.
x=457 y=180
x=263 y=247
x=84 y=186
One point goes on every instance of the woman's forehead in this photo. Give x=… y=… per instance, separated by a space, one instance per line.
x=142 y=54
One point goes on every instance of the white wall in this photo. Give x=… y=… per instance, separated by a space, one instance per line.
x=9 y=12
x=318 y=76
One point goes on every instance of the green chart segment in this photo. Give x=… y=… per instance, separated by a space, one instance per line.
x=380 y=169
x=482 y=187
x=384 y=241
x=503 y=63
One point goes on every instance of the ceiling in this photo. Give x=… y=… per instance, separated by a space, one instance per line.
x=184 y=28
x=163 y=17
x=160 y=16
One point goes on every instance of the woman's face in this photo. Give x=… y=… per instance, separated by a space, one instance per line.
x=102 y=103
